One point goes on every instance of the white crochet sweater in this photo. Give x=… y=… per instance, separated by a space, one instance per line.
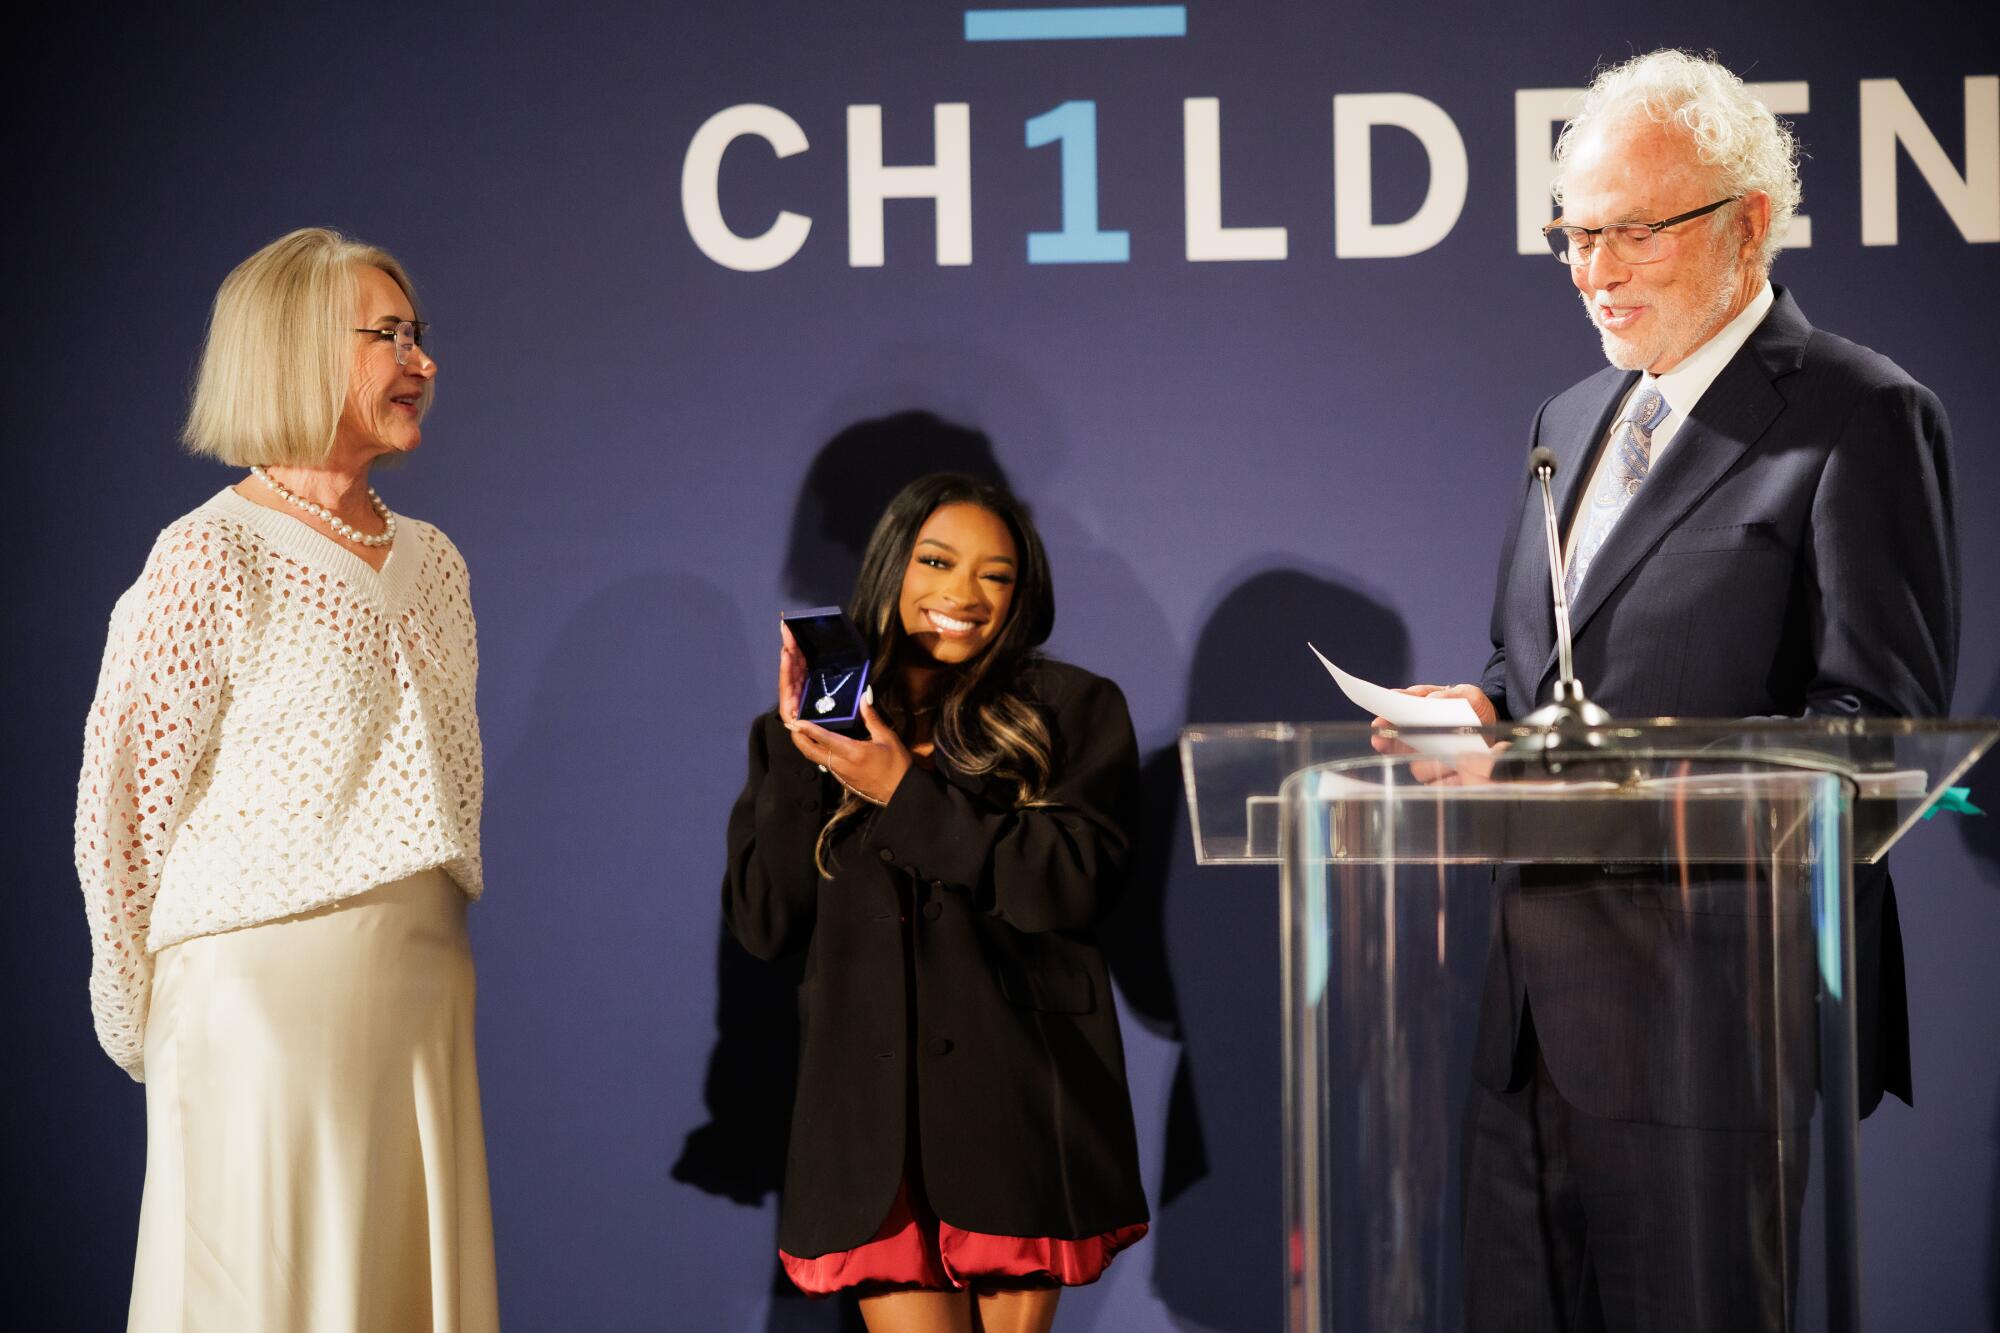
x=277 y=727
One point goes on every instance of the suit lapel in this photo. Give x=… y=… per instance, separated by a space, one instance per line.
x=1738 y=407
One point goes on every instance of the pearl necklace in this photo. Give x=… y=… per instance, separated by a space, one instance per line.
x=326 y=516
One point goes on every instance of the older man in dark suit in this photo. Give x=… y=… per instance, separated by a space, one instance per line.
x=1758 y=522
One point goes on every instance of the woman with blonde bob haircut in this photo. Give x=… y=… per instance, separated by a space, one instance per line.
x=273 y=377
x=277 y=835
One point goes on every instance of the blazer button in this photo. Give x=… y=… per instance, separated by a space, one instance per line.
x=886 y=854
x=932 y=911
x=938 y=1046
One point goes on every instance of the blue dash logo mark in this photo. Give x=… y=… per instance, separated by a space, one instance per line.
x=1080 y=24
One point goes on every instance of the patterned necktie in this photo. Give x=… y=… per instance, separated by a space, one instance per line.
x=1632 y=439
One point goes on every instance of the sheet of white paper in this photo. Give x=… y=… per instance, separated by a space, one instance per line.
x=1409 y=710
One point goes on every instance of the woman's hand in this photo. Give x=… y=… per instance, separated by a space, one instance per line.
x=791 y=676
x=871 y=769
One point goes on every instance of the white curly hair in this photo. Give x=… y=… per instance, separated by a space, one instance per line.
x=1750 y=149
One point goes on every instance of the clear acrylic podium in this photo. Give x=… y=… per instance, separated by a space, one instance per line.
x=1737 y=838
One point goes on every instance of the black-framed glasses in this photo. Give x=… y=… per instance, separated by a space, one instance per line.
x=1629 y=242
x=405 y=334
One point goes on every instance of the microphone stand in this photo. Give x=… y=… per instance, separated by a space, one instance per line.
x=1569 y=721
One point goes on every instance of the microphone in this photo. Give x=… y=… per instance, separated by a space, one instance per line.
x=1542 y=465
x=1569 y=718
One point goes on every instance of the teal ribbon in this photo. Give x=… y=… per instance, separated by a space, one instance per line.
x=1958 y=800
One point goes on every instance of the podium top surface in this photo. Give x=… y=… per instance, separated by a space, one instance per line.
x=1503 y=791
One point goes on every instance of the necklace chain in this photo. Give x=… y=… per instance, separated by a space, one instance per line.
x=327 y=516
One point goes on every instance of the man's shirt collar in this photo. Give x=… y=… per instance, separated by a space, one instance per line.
x=1684 y=385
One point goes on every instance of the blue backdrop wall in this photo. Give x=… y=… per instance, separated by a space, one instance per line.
x=646 y=453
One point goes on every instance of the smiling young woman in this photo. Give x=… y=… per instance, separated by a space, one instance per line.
x=962 y=1143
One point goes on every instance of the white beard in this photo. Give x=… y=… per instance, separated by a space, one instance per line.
x=1679 y=332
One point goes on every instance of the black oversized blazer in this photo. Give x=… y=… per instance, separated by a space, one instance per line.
x=1023 y=1122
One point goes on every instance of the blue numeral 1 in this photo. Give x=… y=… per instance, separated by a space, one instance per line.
x=1079 y=241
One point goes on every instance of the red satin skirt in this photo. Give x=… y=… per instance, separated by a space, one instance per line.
x=912 y=1248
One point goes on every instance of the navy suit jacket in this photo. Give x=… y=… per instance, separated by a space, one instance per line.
x=1793 y=554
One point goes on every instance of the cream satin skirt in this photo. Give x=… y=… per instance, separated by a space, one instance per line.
x=315 y=1161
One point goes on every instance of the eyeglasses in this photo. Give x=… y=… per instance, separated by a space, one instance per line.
x=407 y=334
x=1629 y=242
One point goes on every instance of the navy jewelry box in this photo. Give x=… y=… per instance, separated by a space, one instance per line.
x=836 y=669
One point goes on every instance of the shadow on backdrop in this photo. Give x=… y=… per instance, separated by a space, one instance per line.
x=1982 y=838
x=752 y=1071
x=1222 y=1246
x=593 y=930
x=851 y=481
x=1982 y=832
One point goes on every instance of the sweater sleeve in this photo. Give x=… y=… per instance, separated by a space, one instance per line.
x=159 y=692
x=1056 y=865
x=770 y=892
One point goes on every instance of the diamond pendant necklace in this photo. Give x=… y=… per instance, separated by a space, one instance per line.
x=826 y=701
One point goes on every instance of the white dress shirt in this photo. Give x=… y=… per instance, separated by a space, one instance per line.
x=1682 y=387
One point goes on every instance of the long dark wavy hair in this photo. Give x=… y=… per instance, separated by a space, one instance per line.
x=986 y=723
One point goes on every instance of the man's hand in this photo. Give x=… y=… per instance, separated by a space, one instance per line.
x=1472 y=694
x=1469 y=767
